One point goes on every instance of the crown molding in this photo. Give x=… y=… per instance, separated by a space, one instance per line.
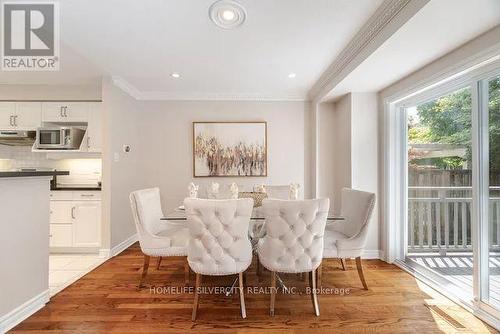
x=387 y=19
x=131 y=90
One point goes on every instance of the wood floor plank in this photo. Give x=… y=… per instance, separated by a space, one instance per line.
x=107 y=300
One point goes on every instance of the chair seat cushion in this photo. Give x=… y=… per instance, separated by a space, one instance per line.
x=331 y=237
x=175 y=243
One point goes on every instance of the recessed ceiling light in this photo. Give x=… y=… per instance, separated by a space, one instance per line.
x=175 y=75
x=227 y=14
x=292 y=75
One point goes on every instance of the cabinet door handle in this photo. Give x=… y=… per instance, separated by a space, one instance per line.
x=65 y=111
x=11 y=120
x=15 y=120
x=61 y=111
x=73 y=212
x=87 y=195
x=88 y=142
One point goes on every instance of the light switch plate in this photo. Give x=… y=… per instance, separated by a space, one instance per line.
x=116 y=157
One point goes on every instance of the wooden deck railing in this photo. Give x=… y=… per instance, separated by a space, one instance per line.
x=439 y=219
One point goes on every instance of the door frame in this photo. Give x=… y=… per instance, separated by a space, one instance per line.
x=395 y=196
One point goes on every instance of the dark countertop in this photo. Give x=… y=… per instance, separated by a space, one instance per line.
x=32 y=173
x=75 y=189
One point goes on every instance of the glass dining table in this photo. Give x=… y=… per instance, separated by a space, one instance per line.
x=180 y=215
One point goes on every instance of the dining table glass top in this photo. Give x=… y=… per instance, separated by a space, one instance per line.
x=256 y=215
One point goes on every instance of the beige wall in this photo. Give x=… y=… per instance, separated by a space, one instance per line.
x=121 y=125
x=167 y=130
x=348 y=152
x=342 y=148
x=327 y=159
x=160 y=135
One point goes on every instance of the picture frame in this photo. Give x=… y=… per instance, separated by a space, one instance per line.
x=230 y=149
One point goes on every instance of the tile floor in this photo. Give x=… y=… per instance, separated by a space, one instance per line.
x=64 y=269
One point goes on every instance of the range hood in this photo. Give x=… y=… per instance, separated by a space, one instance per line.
x=17 y=138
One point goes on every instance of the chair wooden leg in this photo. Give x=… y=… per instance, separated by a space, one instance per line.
x=158 y=264
x=360 y=272
x=319 y=276
x=196 y=296
x=144 y=269
x=186 y=272
x=242 y=297
x=259 y=268
x=342 y=262
x=273 y=293
x=314 y=297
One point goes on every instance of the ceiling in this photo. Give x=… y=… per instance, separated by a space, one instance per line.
x=142 y=42
x=438 y=28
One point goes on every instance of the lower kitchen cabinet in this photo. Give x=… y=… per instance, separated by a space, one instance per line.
x=61 y=235
x=87 y=224
x=75 y=219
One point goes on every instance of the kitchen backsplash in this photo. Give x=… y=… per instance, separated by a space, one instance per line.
x=82 y=171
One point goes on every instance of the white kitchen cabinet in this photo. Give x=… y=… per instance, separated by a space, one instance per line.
x=28 y=115
x=7 y=113
x=65 y=112
x=61 y=235
x=61 y=212
x=20 y=116
x=75 y=219
x=87 y=224
x=94 y=129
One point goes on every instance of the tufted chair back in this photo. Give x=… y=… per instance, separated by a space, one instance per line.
x=219 y=243
x=356 y=208
x=146 y=209
x=156 y=237
x=294 y=234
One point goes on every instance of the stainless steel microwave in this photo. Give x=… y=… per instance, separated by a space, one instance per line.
x=59 y=138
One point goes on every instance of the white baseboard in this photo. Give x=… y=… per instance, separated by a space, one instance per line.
x=124 y=245
x=371 y=254
x=20 y=313
x=104 y=253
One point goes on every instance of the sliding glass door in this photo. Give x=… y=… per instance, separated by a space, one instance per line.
x=452 y=178
x=440 y=189
x=492 y=108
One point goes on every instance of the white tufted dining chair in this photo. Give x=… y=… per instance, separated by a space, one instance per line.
x=294 y=240
x=156 y=237
x=219 y=243
x=347 y=239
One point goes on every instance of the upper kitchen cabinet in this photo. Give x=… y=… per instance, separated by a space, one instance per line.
x=94 y=129
x=65 y=112
x=20 y=116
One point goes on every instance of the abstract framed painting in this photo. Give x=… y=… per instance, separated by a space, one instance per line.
x=229 y=149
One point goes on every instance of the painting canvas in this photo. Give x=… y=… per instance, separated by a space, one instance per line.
x=229 y=149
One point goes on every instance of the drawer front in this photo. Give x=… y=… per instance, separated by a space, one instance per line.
x=61 y=235
x=87 y=195
x=61 y=195
x=62 y=212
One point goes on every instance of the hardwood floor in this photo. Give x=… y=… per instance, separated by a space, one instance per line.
x=107 y=300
